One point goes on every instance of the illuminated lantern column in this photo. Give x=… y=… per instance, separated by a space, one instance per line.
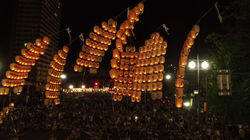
x=122 y=65
x=179 y=83
x=149 y=66
x=54 y=76
x=127 y=26
x=22 y=66
x=96 y=46
x=15 y=77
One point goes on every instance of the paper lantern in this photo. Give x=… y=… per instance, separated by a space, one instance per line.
x=155 y=69
x=141 y=7
x=154 y=86
x=38 y=42
x=119 y=97
x=196 y=28
x=185 y=50
x=181 y=72
x=149 y=87
x=114 y=64
x=56 y=101
x=143 y=87
x=114 y=98
x=155 y=77
x=46 y=40
x=160 y=76
x=189 y=41
x=11 y=105
x=183 y=61
x=179 y=92
x=179 y=82
x=66 y=49
x=158 y=95
x=178 y=102
x=130 y=80
x=153 y=95
x=164 y=44
x=122 y=67
x=159 y=85
x=120 y=73
x=116 y=54
x=160 y=68
x=126 y=74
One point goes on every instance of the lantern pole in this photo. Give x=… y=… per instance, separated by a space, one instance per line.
x=84 y=71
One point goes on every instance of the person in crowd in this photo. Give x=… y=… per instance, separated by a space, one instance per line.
x=96 y=116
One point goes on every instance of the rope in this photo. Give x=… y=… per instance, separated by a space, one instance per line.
x=206 y=12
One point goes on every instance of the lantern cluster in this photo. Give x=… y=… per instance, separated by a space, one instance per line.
x=6 y=110
x=150 y=66
x=179 y=83
x=137 y=72
x=123 y=62
x=127 y=26
x=20 y=69
x=54 y=74
x=96 y=45
x=123 y=73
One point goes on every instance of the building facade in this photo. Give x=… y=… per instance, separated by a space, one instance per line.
x=34 y=19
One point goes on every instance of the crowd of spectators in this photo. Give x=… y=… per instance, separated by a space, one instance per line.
x=96 y=116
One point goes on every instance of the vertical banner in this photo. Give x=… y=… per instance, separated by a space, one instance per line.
x=224 y=82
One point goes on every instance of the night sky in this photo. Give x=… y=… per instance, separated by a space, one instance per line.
x=178 y=15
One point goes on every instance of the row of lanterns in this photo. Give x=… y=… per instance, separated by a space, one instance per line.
x=93 y=51
x=90 y=57
x=179 y=83
x=135 y=96
x=86 y=63
x=95 y=46
x=20 y=69
x=54 y=75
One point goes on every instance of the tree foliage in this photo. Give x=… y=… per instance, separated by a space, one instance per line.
x=230 y=49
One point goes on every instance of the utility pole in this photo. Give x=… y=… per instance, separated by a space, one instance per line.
x=198 y=86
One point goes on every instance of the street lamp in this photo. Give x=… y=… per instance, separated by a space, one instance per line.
x=63 y=76
x=187 y=104
x=71 y=86
x=195 y=65
x=204 y=65
x=168 y=76
x=191 y=65
x=83 y=86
